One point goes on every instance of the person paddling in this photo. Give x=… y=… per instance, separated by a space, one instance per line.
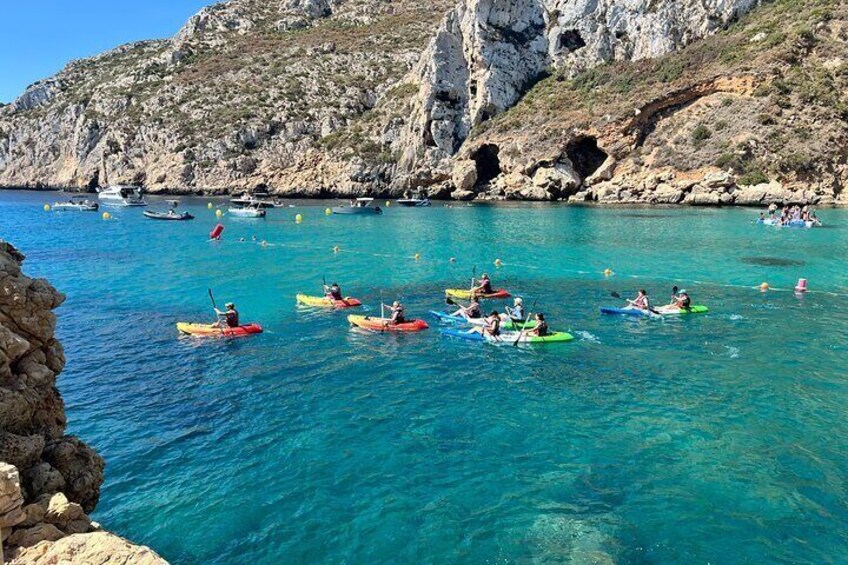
x=516 y=313
x=541 y=327
x=682 y=300
x=334 y=292
x=484 y=286
x=472 y=311
x=492 y=326
x=397 y=316
x=229 y=317
x=642 y=302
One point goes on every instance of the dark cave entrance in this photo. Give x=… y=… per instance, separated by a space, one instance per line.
x=586 y=156
x=488 y=164
x=571 y=40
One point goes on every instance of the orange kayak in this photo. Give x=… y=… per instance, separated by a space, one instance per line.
x=383 y=324
x=211 y=330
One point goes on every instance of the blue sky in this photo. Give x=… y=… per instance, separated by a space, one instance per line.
x=37 y=37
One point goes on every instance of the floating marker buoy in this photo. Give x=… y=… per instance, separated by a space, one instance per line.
x=298 y=218
x=336 y=249
x=764 y=287
x=388 y=203
x=328 y=212
x=498 y=263
x=47 y=207
x=107 y=216
x=801 y=286
x=607 y=272
x=216 y=232
x=218 y=213
x=209 y=205
x=417 y=256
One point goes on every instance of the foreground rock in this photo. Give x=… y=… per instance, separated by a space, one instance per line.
x=48 y=481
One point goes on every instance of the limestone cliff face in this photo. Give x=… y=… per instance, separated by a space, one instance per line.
x=48 y=480
x=495 y=99
x=488 y=53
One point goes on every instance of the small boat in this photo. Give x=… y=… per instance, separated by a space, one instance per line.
x=76 y=204
x=247 y=212
x=358 y=206
x=213 y=330
x=463 y=294
x=327 y=302
x=384 y=325
x=121 y=195
x=256 y=200
x=420 y=200
x=169 y=215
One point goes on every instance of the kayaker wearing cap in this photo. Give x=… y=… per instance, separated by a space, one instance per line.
x=484 y=286
x=397 y=314
x=541 y=327
x=334 y=291
x=682 y=300
x=516 y=313
x=641 y=301
x=229 y=317
x=472 y=311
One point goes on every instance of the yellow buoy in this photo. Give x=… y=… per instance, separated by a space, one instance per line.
x=209 y=205
x=336 y=249
x=218 y=213
x=388 y=203
x=107 y=216
x=764 y=287
x=328 y=212
x=498 y=263
x=298 y=218
x=608 y=272
x=417 y=256
x=47 y=207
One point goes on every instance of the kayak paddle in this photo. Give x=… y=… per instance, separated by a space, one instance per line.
x=215 y=307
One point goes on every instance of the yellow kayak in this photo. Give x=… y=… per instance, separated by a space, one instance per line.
x=466 y=294
x=324 y=302
x=211 y=330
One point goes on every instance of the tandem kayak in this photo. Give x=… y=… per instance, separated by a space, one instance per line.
x=466 y=294
x=460 y=320
x=511 y=337
x=383 y=325
x=661 y=311
x=211 y=330
x=325 y=302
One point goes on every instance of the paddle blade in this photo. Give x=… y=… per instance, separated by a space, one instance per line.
x=449 y=301
x=614 y=294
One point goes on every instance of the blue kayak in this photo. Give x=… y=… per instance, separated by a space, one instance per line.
x=463 y=334
x=447 y=318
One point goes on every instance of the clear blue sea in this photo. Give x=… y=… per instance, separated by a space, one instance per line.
x=719 y=438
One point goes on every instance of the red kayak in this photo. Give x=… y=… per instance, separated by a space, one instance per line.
x=211 y=330
x=383 y=325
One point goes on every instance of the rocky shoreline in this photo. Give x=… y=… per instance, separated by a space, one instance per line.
x=49 y=481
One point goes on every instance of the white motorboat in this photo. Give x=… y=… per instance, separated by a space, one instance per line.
x=358 y=206
x=76 y=204
x=247 y=212
x=414 y=202
x=121 y=195
x=258 y=200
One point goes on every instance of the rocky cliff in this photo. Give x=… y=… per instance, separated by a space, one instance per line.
x=48 y=480
x=707 y=102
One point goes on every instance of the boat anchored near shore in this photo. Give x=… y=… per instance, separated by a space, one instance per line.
x=121 y=195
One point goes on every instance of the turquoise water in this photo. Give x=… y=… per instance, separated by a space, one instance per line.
x=719 y=438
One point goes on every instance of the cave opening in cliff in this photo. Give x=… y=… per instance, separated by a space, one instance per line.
x=571 y=40
x=586 y=156
x=488 y=163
